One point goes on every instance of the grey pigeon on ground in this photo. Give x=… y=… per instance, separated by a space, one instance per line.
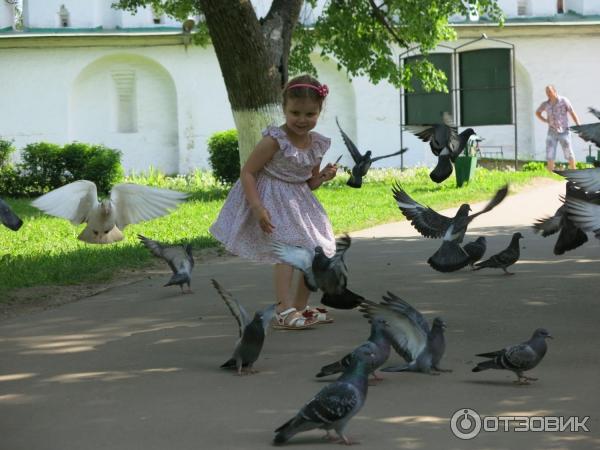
x=505 y=258
x=377 y=343
x=421 y=347
x=445 y=143
x=8 y=218
x=450 y=256
x=334 y=405
x=475 y=249
x=518 y=358
x=570 y=235
x=251 y=332
x=362 y=163
x=179 y=258
x=330 y=275
x=589 y=132
x=128 y=204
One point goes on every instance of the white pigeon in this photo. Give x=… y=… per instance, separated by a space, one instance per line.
x=106 y=219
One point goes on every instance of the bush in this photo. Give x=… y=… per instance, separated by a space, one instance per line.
x=533 y=166
x=6 y=149
x=224 y=155
x=48 y=166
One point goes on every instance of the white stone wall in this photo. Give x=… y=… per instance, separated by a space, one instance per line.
x=6 y=15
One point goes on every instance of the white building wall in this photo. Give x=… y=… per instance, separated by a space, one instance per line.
x=7 y=17
x=583 y=7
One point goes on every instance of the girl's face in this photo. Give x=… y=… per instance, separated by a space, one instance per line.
x=301 y=115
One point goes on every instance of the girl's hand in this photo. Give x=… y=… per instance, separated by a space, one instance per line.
x=329 y=172
x=264 y=218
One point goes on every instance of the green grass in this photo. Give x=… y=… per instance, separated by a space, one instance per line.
x=45 y=251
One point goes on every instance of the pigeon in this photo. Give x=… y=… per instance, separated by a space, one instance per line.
x=505 y=258
x=584 y=214
x=378 y=344
x=334 y=405
x=586 y=179
x=362 y=163
x=8 y=218
x=518 y=358
x=321 y=272
x=128 y=203
x=251 y=332
x=179 y=258
x=571 y=236
x=445 y=143
x=421 y=347
x=589 y=132
x=475 y=249
x=450 y=256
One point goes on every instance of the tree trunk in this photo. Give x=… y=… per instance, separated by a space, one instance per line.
x=253 y=61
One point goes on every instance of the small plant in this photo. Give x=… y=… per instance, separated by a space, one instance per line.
x=224 y=155
x=6 y=149
x=533 y=166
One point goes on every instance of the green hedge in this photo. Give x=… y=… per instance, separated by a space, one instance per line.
x=224 y=156
x=47 y=166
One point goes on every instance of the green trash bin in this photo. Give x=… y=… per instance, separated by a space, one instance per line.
x=465 y=166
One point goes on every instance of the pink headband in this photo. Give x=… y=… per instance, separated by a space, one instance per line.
x=323 y=90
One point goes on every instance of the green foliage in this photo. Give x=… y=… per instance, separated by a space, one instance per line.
x=533 y=166
x=224 y=155
x=6 y=149
x=48 y=166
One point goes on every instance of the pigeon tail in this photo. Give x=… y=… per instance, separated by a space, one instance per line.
x=401 y=368
x=345 y=300
x=354 y=182
x=570 y=238
x=229 y=364
x=442 y=170
x=449 y=258
x=331 y=369
x=179 y=279
x=292 y=427
x=484 y=365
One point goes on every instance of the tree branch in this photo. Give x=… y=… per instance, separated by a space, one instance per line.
x=380 y=17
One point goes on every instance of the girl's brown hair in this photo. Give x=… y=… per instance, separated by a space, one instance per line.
x=305 y=86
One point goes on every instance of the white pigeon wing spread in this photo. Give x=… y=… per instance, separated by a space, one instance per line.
x=72 y=202
x=133 y=203
x=299 y=257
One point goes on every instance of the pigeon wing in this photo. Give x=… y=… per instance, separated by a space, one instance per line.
x=426 y=221
x=135 y=203
x=404 y=150
x=520 y=357
x=342 y=244
x=587 y=179
x=550 y=225
x=354 y=152
x=73 y=201
x=584 y=214
x=237 y=310
x=495 y=201
x=402 y=306
x=333 y=403
x=595 y=112
x=589 y=132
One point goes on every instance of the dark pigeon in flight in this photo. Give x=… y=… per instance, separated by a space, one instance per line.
x=505 y=258
x=330 y=275
x=518 y=358
x=179 y=258
x=251 y=333
x=362 y=163
x=589 y=132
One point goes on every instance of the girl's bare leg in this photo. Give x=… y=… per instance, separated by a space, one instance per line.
x=302 y=294
x=283 y=283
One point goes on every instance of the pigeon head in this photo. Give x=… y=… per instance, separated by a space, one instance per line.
x=363 y=355
x=463 y=210
x=481 y=240
x=368 y=154
x=517 y=235
x=468 y=133
x=379 y=322
x=542 y=333
x=439 y=322
x=319 y=250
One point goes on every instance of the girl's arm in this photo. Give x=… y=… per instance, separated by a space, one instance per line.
x=262 y=154
x=321 y=176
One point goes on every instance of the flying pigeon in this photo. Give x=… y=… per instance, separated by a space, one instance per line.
x=431 y=224
x=586 y=179
x=128 y=203
x=589 y=132
x=251 y=332
x=475 y=249
x=321 y=272
x=179 y=258
x=584 y=214
x=518 y=358
x=420 y=346
x=505 y=258
x=571 y=236
x=334 y=405
x=362 y=163
x=445 y=143
x=8 y=218
x=377 y=343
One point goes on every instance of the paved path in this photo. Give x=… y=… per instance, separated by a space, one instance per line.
x=136 y=367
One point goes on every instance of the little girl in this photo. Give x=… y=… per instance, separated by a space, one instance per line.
x=273 y=199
